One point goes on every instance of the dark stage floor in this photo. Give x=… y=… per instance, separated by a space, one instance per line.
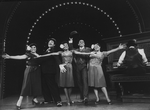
x=9 y=104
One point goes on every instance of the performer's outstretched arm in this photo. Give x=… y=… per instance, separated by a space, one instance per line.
x=82 y=53
x=17 y=57
x=116 y=49
x=54 y=53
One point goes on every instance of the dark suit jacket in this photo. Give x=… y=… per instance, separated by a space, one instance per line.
x=50 y=64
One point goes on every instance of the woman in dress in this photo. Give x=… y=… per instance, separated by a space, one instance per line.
x=66 y=80
x=96 y=77
x=66 y=77
x=32 y=76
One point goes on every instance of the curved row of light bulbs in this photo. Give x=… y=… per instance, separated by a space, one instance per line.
x=71 y=3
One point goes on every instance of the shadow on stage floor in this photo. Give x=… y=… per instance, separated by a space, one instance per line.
x=10 y=102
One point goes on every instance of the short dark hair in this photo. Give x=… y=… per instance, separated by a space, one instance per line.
x=131 y=43
x=53 y=39
x=33 y=44
x=63 y=42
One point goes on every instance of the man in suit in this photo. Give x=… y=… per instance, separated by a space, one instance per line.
x=50 y=67
x=81 y=71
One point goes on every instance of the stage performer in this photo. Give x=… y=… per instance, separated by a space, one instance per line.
x=50 y=70
x=96 y=77
x=32 y=76
x=81 y=71
x=66 y=79
x=133 y=61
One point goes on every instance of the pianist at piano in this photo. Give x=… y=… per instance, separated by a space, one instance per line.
x=128 y=82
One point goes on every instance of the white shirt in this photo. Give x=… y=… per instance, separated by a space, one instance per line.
x=141 y=51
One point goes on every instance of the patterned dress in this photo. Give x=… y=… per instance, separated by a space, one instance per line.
x=95 y=72
x=66 y=79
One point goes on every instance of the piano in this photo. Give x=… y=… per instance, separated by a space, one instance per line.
x=116 y=78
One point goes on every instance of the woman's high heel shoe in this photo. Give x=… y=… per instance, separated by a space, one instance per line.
x=97 y=101
x=109 y=103
x=18 y=107
x=68 y=103
x=35 y=103
x=72 y=102
x=59 y=104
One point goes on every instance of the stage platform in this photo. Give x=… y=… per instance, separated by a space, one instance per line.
x=9 y=104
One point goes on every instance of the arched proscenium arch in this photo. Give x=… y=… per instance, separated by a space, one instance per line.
x=72 y=3
x=136 y=16
x=4 y=50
